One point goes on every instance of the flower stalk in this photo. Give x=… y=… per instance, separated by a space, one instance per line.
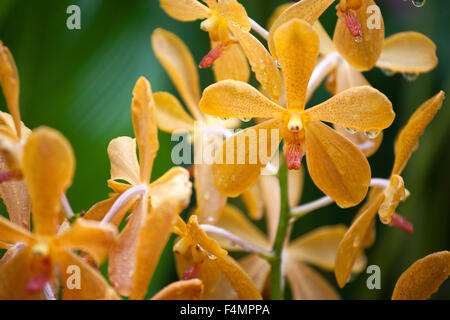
x=276 y=276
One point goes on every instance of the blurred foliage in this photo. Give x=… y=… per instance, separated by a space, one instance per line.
x=80 y=83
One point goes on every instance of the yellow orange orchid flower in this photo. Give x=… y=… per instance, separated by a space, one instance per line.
x=134 y=256
x=395 y=57
x=199 y=256
x=178 y=62
x=13 y=132
x=423 y=277
x=335 y=164
x=317 y=248
x=37 y=258
x=228 y=26
x=385 y=200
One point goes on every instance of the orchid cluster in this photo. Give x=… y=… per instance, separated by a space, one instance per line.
x=54 y=253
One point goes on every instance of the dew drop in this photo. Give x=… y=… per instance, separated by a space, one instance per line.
x=372 y=134
x=387 y=72
x=278 y=64
x=418 y=3
x=351 y=131
x=410 y=76
x=356 y=242
x=357 y=39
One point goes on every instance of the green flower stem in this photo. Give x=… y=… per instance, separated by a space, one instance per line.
x=276 y=276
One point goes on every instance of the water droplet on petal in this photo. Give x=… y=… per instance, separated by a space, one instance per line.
x=351 y=131
x=278 y=64
x=418 y=3
x=410 y=76
x=387 y=72
x=357 y=39
x=372 y=134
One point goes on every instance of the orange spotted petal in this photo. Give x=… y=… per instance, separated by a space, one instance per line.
x=145 y=126
x=89 y=236
x=397 y=53
x=171 y=115
x=336 y=165
x=408 y=138
x=236 y=99
x=210 y=201
x=208 y=244
x=361 y=53
x=14 y=276
x=297 y=45
x=234 y=221
x=319 y=247
x=253 y=201
x=123 y=158
x=308 y=284
x=296 y=178
x=393 y=195
x=15 y=196
x=326 y=44
x=185 y=10
x=262 y=63
x=257 y=269
x=354 y=240
x=360 y=108
x=11 y=233
x=48 y=165
x=238 y=167
x=238 y=278
x=348 y=77
x=93 y=286
x=181 y=290
x=235 y=14
x=153 y=237
x=9 y=79
x=173 y=184
x=423 y=277
x=232 y=63
x=123 y=253
x=178 y=62
x=270 y=191
x=308 y=10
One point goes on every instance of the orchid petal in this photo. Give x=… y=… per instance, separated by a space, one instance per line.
x=297 y=46
x=236 y=99
x=181 y=290
x=423 y=277
x=360 y=108
x=336 y=165
x=408 y=137
x=396 y=54
x=185 y=10
x=123 y=158
x=171 y=115
x=308 y=10
x=145 y=126
x=48 y=166
x=178 y=62
x=234 y=176
x=356 y=237
x=308 y=284
x=362 y=53
x=90 y=237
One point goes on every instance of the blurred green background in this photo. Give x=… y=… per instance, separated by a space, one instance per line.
x=80 y=83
